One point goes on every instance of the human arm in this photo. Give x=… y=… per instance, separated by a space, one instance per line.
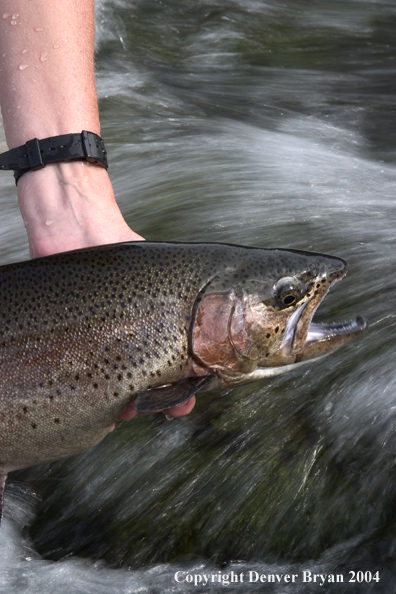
x=47 y=89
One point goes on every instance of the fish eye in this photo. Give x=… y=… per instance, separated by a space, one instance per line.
x=288 y=291
x=289 y=299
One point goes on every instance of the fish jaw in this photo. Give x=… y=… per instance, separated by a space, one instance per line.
x=242 y=337
x=306 y=340
x=298 y=326
x=323 y=339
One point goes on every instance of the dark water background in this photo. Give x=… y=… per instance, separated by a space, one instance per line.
x=259 y=123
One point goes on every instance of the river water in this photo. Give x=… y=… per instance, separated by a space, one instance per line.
x=259 y=123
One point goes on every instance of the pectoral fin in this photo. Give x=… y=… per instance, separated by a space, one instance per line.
x=163 y=398
x=3 y=478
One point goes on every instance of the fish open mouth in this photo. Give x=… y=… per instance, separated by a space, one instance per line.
x=322 y=339
x=306 y=340
x=335 y=330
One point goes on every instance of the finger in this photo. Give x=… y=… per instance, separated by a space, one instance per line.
x=128 y=413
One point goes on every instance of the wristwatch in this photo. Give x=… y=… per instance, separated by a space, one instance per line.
x=35 y=154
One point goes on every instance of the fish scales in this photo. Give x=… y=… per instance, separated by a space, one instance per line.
x=80 y=335
x=84 y=333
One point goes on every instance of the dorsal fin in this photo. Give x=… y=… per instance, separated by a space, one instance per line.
x=3 y=478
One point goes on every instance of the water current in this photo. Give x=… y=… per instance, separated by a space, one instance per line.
x=267 y=123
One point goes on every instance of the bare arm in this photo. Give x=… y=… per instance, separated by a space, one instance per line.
x=47 y=89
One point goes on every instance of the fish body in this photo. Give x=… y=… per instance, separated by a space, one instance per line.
x=84 y=333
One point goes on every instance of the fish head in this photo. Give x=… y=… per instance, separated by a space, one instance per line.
x=253 y=325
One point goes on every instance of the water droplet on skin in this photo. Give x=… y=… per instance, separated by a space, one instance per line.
x=15 y=16
x=56 y=45
x=24 y=51
x=43 y=57
x=13 y=22
x=48 y=223
x=37 y=29
x=6 y=15
x=23 y=66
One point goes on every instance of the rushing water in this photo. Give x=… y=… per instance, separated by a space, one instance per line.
x=259 y=123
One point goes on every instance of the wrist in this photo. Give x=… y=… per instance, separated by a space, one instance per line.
x=68 y=206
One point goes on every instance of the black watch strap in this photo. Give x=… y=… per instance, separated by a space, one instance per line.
x=35 y=154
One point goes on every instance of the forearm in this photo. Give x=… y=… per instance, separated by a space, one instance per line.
x=46 y=50
x=47 y=89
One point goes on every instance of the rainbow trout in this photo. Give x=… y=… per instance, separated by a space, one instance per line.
x=84 y=333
